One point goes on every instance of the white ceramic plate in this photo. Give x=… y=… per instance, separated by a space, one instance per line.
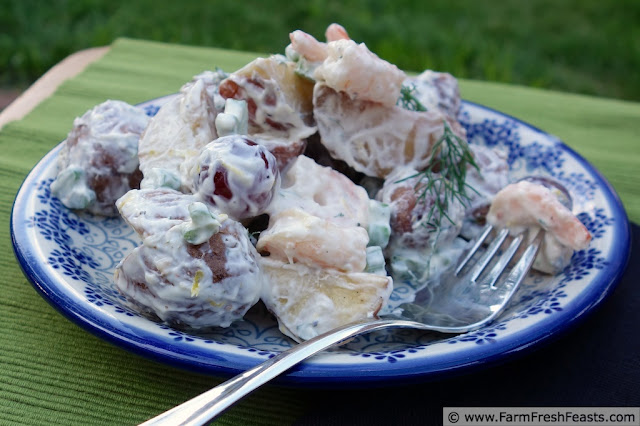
x=70 y=259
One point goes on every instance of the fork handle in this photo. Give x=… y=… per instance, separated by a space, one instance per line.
x=206 y=406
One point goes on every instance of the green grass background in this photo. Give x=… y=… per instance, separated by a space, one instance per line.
x=584 y=46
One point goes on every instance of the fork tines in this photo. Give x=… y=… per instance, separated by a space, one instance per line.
x=519 y=270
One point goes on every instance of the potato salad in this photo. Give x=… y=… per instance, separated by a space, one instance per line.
x=308 y=181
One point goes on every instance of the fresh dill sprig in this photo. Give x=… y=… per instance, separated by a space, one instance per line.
x=444 y=180
x=408 y=99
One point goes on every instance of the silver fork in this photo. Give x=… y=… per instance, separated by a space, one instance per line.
x=464 y=302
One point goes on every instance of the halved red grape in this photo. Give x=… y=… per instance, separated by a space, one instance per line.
x=237 y=176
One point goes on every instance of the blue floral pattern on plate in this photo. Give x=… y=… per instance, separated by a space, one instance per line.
x=70 y=258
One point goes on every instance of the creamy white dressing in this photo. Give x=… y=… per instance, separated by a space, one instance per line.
x=375 y=139
x=103 y=146
x=318 y=218
x=352 y=68
x=436 y=91
x=296 y=236
x=317 y=244
x=274 y=116
x=211 y=81
x=309 y=301
x=249 y=174
x=323 y=192
x=71 y=188
x=175 y=136
x=491 y=177
x=179 y=287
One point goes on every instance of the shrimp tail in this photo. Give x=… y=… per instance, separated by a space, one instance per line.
x=336 y=32
x=307 y=46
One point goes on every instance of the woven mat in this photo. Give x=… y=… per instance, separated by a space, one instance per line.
x=53 y=372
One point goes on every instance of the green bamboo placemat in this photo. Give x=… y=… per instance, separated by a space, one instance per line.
x=53 y=372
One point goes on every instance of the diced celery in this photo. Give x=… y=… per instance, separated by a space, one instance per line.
x=203 y=224
x=379 y=229
x=70 y=187
x=234 y=120
x=375 y=261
